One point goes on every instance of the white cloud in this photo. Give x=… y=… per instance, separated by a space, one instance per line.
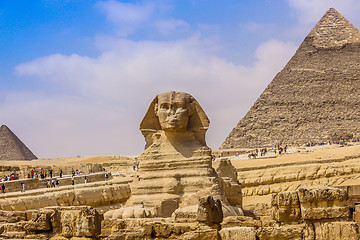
x=170 y=25
x=309 y=12
x=132 y=17
x=111 y=93
x=118 y=12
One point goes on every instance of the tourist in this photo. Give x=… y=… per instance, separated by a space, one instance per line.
x=134 y=166
x=85 y=179
x=57 y=183
x=51 y=172
x=53 y=183
x=47 y=184
x=3 y=188
x=22 y=187
x=60 y=173
x=103 y=169
x=32 y=173
x=72 y=180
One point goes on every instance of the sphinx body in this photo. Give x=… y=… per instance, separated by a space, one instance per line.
x=175 y=169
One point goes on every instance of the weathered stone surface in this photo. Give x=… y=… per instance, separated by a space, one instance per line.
x=167 y=208
x=40 y=221
x=207 y=234
x=240 y=221
x=232 y=233
x=12 y=148
x=12 y=216
x=209 y=210
x=333 y=231
x=92 y=194
x=80 y=222
x=294 y=232
x=260 y=183
x=186 y=214
x=228 y=181
x=322 y=193
x=356 y=214
x=286 y=207
x=323 y=202
x=314 y=98
x=176 y=164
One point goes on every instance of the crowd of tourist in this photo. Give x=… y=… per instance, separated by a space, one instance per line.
x=51 y=182
x=13 y=176
x=254 y=154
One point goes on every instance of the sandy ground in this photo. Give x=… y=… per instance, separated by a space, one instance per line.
x=67 y=161
x=326 y=152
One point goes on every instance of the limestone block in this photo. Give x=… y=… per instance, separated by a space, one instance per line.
x=2 y=229
x=128 y=234
x=336 y=230
x=186 y=214
x=40 y=221
x=317 y=213
x=294 y=232
x=224 y=168
x=286 y=207
x=64 y=198
x=233 y=233
x=12 y=216
x=322 y=193
x=228 y=182
x=209 y=210
x=80 y=222
x=240 y=221
x=356 y=214
x=167 y=208
x=4 y=205
x=108 y=226
x=323 y=202
x=14 y=235
x=208 y=234
x=163 y=229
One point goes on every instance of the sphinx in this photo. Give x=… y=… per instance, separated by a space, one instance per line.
x=175 y=169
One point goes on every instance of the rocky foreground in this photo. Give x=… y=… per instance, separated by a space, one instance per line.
x=282 y=199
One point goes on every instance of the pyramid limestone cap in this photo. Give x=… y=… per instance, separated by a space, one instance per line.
x=333 y=30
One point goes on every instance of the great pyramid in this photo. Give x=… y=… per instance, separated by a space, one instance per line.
x=316 y=97
x=12 y=148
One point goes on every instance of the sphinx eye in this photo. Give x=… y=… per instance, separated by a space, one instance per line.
x=164 y=106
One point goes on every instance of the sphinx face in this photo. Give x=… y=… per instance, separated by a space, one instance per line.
x=173 y=112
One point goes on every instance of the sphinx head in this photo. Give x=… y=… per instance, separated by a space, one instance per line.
x=175 y=112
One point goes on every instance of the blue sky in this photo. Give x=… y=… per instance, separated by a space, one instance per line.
x=76 y=77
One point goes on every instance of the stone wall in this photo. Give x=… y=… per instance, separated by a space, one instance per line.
x=37 y=183
x=262 y=182
x=98 y=194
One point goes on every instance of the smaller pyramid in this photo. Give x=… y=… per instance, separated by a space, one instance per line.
x=12 y=148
